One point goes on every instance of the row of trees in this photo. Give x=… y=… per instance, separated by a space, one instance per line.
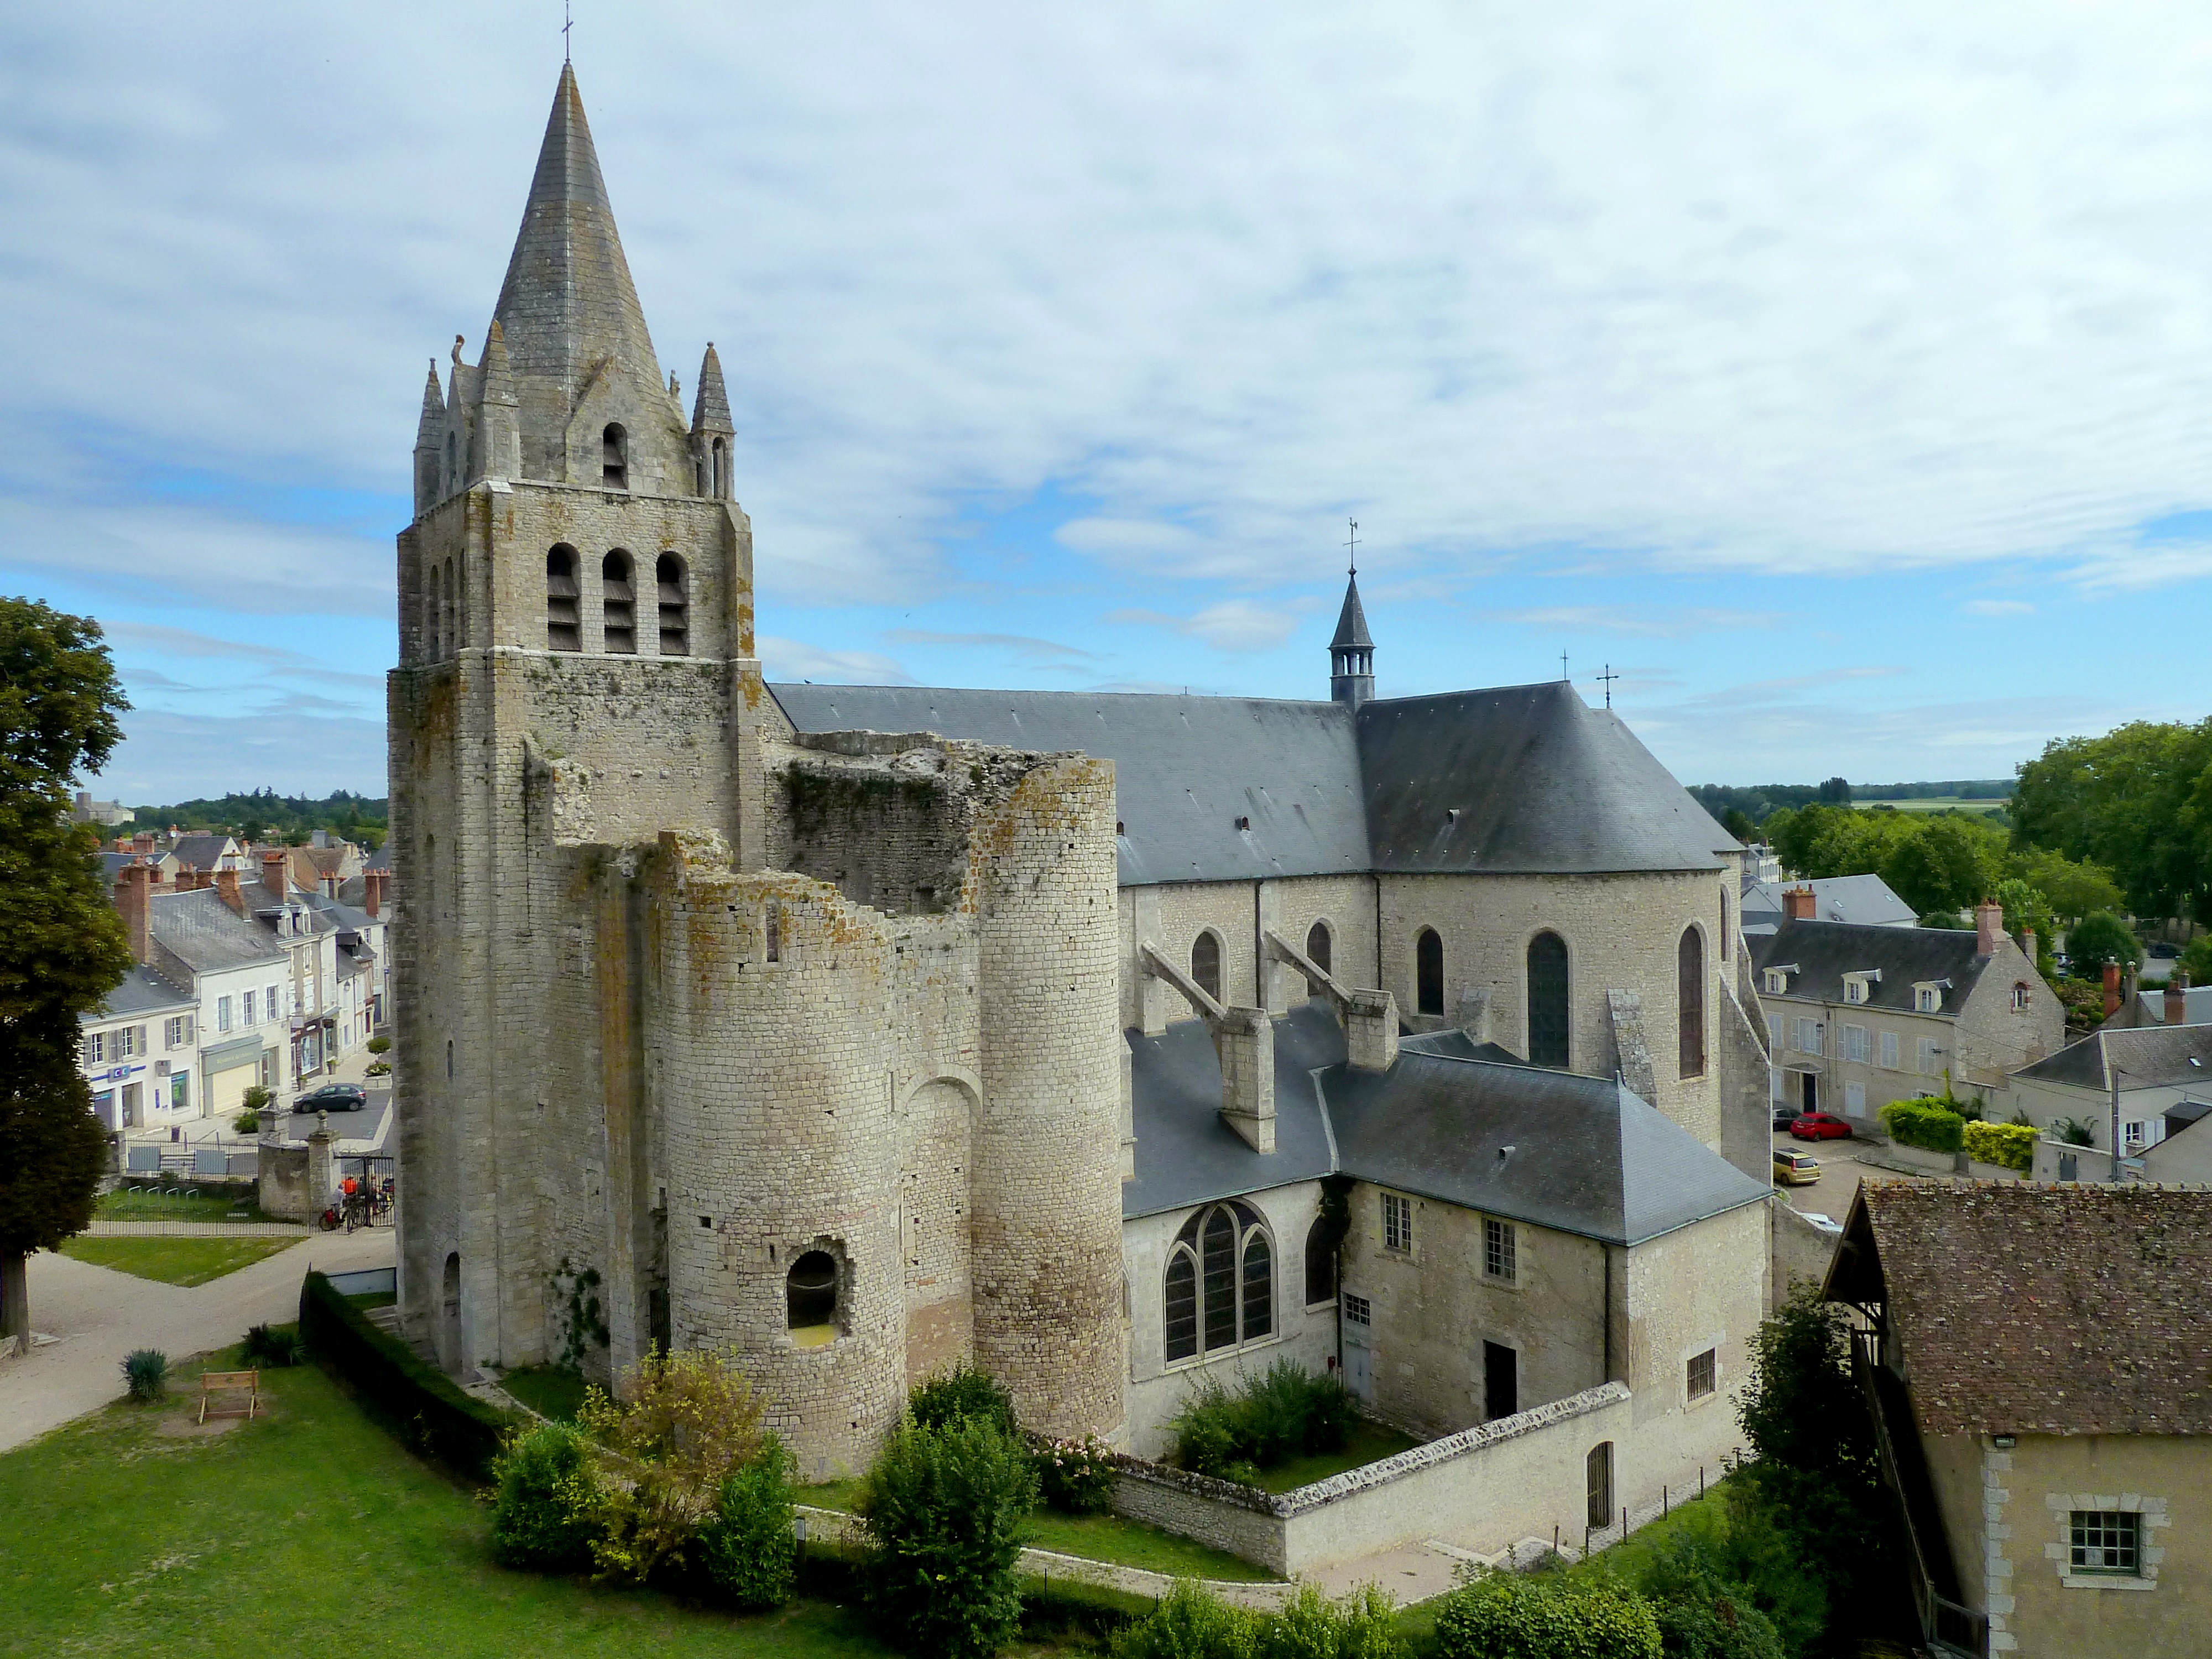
x=265 y=815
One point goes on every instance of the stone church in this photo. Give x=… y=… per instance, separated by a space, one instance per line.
x=1108 y=1041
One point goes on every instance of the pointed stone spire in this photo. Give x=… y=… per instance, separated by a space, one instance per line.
x=568 y=308
x=429 y=436
x=498 y=446
x=1352 y=622
x=434 y=409
x=710 y=409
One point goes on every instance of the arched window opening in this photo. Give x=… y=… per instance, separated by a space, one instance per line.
x=1205 y=963
x=1429 y=972
x=1220 y=1282
x=449 y=1060
x=1320 y=1263
x=1725 y=926
x=614 y=456
x=621 y=604
x=675 y=602
x=565 y=628
x=1548 y=1001
x=1690 y=1001
x=452 y=462
x=810 y=1293
x=1318 y=944
x=718 y=471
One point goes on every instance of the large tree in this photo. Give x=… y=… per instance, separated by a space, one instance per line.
x=2137 y=800
x=62 y=948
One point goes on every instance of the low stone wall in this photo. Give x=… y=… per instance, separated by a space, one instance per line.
x=1487 y=1488
x=1801 y=1251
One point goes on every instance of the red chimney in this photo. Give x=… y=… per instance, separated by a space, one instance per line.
x=2111 y=989
x=1989 y=928
x=143 y=842
x=133 y=882
x=1797 y=903
x=2176 y=998
x=226 y=883
x=372 y=899
x=274 y=868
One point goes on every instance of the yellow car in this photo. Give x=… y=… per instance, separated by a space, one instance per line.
x=1794 y=1168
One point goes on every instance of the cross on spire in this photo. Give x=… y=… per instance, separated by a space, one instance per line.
x=1607 y=679
x=1562 y=664
x=567 y=22
x=1352 y=543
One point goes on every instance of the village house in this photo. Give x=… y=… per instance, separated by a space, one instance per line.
x=1858 y=1015
x=2164 y=1078
x=138 y=1052
x=2046 y=1421
x=1865 y=899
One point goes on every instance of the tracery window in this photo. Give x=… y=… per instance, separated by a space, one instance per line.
x=1220 y=1281
x=1548 y=1001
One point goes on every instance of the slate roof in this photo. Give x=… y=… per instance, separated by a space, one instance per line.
x=1351 y=633
x=1527 y=779
x=202 y=852
x=206 y=935
x=142 y=991
x=2148 y=1057
x=2036 y=1309
x=1826 y=950
x=1867 y=899
x=2196 y=1004
x=1590 y=1157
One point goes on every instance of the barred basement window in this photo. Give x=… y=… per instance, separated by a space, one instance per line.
x=1317 y=947
x=564 y=629
x=613 y=458
x=1500 y=1252
x=1548 y=1001
x=1205 y=963
x=621 y=604
x=1220 y=1282
x=1397 y=1222
x=674 y=598
x=1429 y=972
x=1701 y=1374
x=2104 y=1540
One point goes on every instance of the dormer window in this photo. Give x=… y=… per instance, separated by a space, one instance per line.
x=1777 y=981
x=1858 y=989
x=614 y=456
x=1928 y=997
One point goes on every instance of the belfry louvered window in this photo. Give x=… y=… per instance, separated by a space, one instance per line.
x=620 y=601
x=1548 y=1001
x=564 y=629
x=613 y=458
x=672 y=594
x=1220 y=1282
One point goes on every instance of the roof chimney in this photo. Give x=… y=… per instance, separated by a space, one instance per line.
x=225 y=885
x=2111 y=989
x=133 y=883
x=1797 y=903
x=1989 y=928
x=372 y=894
x=274 y=866
x=2176 y=998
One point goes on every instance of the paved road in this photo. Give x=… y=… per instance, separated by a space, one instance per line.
x=101 y=1316
x=1840 y=1175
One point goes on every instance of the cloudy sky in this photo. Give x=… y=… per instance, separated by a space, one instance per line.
x=1840 y=376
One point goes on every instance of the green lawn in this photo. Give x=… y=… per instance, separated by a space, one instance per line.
x=305 y=1531
x=1096 y=1537
x=124 y=1205
x=1370 y=1442
x=174 y=1260
x=1630 y=1561
x=550 y=1390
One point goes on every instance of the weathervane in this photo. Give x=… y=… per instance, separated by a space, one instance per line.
x=1607 y=679
x=1351 y=542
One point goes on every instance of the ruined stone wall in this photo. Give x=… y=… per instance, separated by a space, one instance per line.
x=1433 y=1309
x=1621 y=932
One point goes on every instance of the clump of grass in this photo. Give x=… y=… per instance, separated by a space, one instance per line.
x=146 y=1373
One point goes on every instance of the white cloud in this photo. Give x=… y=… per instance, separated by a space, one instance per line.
x=1231 y=625
x=795 y=659
x=1998 y=608
x=1658 y=622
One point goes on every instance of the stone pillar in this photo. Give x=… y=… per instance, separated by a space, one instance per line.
x=1244 y=1038
x=322 y=1168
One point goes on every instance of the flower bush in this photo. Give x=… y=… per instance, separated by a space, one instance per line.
x=1076 y=1476
x=2011 y=1146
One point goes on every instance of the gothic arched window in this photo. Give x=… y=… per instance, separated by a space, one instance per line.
x=1318 y=944
x=614 y=456
x=1206 y=962
x=1320 y=1261
x=672 y=593
x=563 y=628
x=1548 y=1001
x=1220 y=1281
x=620 y=601
x=1429 y=973
x=1690 y=1001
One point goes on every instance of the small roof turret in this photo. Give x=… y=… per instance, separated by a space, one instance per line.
x=433 y=423
x=710 y=409
x=1351 y=623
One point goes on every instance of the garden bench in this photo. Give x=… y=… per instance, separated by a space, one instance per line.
x=213 y=1383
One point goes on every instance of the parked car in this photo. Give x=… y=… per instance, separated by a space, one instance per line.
x=2164 y=951
x=333 y=1098
x=1794 y=1168
x=1784 y=1116
x=1819 y=1126
x=1827 y=1225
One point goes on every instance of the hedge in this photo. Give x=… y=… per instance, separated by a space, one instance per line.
x=428 y=1407
x=1925 y=1122
x=2012 y=1145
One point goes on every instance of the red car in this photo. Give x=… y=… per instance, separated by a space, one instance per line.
x=1820 y=1126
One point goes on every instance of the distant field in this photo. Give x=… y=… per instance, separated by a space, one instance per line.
x=1938 y=803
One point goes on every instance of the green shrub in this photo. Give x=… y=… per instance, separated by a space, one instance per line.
x=1505 y=1616
x=146 y=1373
x=379 y=1044
x=1925 y=1122
x=2074 y=1131
x=942 y=1510
x=964 y=1392
x=1076 y=1477
x=1268 y=1419
x=1190 y=1623
x=246 y=1123
x=425 y=1404
x=748 y=1546
x=273 y=1347
x=546 y=1500
x=1362 y=1624
x=1723 y=1627
x=2009 y=1145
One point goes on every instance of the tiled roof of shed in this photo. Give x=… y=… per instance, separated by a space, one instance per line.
x=2024 y=1308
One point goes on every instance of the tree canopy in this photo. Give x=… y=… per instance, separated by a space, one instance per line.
x=2137 y=800
x=2100 y=938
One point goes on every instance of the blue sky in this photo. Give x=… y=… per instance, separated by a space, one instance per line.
x=1842 y=380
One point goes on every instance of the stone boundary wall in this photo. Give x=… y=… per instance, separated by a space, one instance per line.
x=1485 y=1488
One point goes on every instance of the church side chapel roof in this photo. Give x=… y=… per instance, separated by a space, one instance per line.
x=1519 y=780
x=1587 y=1156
